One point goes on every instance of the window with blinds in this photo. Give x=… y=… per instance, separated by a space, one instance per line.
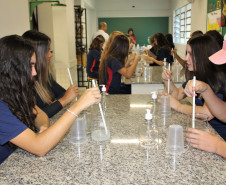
x=182 y=24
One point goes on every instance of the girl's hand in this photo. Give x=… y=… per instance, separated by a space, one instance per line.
x=173 y=52
x=200 y=87
x=89 y=97
x=70 y=95
x=202 y=140
x=166 y=74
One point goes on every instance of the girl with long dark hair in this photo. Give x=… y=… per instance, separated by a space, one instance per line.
x=20 y=122
x=93 y=57
x=51 y=97
x=162 y=51
x=113 y=62
x=199 y=49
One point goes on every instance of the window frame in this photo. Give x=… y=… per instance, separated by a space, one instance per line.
x=181 y=17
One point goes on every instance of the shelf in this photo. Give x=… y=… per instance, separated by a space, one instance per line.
x=80 y=43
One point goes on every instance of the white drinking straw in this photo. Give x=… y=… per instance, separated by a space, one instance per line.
x=68 y=70
x=193 y=105
x=101 y=111
x=169 y=81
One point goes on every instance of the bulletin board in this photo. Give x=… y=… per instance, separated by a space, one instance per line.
x=214 y=15
x=143 y=26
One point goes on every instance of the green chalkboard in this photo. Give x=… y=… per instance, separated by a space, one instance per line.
x=143 y=26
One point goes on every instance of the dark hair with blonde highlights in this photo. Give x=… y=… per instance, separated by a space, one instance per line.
x=16 y=84
x=41 y=43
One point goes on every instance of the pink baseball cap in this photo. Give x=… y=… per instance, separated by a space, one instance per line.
x=219 y=57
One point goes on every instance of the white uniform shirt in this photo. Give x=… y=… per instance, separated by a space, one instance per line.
x=103 y=33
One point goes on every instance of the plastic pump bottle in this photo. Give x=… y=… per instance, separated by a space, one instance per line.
x=148 y=115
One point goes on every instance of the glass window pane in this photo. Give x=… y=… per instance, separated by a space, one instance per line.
x=183 y=9
x=188 y=34
x=177 y=11
x=182 y=22
x=188 y=21
x=182 y=28
x=182 y=34
x=188 y=14
x=188 y=7
x=188 y=28
x=182 y=16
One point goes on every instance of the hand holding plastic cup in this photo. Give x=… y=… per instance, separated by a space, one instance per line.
x=175 y=140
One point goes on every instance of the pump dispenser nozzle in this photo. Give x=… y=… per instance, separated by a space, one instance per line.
x=103 y=88
x=154 y=95
x=148 y=115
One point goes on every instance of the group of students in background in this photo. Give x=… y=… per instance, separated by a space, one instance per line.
x=29 y=95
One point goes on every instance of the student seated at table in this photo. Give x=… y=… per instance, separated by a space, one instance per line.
x=169 y=39
x=151 y=52
x=198 y=64
x=22 y=123
x=51 y=97
x=162 y=51
x=112 y=64
x=93 y=57
x=174 y=52
x=203 y=140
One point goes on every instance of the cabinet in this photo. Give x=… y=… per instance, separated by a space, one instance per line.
x=81 y=44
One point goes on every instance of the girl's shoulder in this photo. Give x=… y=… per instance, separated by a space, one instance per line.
x=113 y=61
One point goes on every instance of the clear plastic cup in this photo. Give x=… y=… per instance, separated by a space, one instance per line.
x=175 y=140
x=78 y=130
x=160 y=92
x=147 y=73
x=165 y=108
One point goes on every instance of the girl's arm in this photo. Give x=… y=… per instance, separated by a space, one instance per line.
x=187 y=109
x=215 y=104
x=40 y=144
x=128 y=72
x=152 y=59
x=130 y=59
x=179 y=59
x=206 y=141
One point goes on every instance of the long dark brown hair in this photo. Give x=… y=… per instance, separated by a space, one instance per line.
x=97 y=42
x=202 y=48
x=161 y=42
x=16 y=84
x=41 y=43
x=118 y=48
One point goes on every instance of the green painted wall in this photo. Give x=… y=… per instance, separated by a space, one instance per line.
x=143 y=26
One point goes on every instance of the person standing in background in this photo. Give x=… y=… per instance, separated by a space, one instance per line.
x=133 y=38
x=102 y=31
